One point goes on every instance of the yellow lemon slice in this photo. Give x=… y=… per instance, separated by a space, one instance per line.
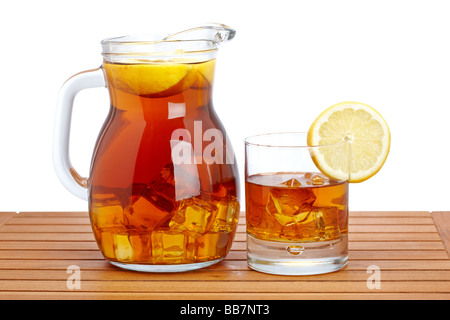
x=159 y=79
x=364 y=136
x=150 y=79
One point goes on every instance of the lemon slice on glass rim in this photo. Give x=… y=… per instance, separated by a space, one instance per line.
x=365 y=138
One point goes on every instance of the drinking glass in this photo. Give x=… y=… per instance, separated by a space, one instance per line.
x=297 y=216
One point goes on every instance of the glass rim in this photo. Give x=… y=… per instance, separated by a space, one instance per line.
x=304 y=144
x=150 y=39
x=155 y=45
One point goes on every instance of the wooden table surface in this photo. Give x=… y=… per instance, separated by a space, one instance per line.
x=411 y=250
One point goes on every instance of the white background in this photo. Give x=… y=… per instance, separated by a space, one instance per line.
x=289 y=61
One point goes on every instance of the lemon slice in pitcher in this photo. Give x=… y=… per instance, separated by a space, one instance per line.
x=367 y=139
x=150 y=79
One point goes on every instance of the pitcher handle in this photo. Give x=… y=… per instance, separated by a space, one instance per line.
x=69 y=177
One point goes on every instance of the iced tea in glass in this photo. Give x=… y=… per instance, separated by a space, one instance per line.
x=297 y=217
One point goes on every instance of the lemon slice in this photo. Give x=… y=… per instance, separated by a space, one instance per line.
x=150 y=79
x=364 y=136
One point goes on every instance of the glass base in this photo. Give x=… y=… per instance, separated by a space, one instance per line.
x=295 y=258
x=164 y=267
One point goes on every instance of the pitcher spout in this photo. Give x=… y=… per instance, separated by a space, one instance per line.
x=215 y=32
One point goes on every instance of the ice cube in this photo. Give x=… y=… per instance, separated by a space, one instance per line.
x=194 y=216
x=212 y=245
x=161 y=190
x=317 y=180
x=318 y=217
x=106 y=211
x=292 y=183
x=227 y=215
x=170 y=246
x=141 y=244
x=123 y=249
x=153 y=204
x=145 y=214
x=290 y=206
x=107 y=244
x=326 y=224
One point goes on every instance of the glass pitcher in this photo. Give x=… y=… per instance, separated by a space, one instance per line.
x=163 y=187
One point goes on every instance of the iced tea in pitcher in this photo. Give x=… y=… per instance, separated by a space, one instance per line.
x=154 y=197
x=163 y=185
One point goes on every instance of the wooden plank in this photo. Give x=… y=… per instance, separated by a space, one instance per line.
x=233 y=255
x=52 y=221
x=48 y=245
x=45 y=228
x=396 y=255
x=57 y=214
x=224 y=265
x=442 y=220
x=50 y=255
x=400 y=236
x=218 y=275
x=77 y=295
x=268 y=287
x=20 y=264
x=5 y=217
x=390 y=213
x=396 y=245
x=400 y=264
x=388 y=228
x=391 y=221
x=43 y=236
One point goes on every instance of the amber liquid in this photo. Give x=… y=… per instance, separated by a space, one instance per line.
x=297 y=207
x=144 y=208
